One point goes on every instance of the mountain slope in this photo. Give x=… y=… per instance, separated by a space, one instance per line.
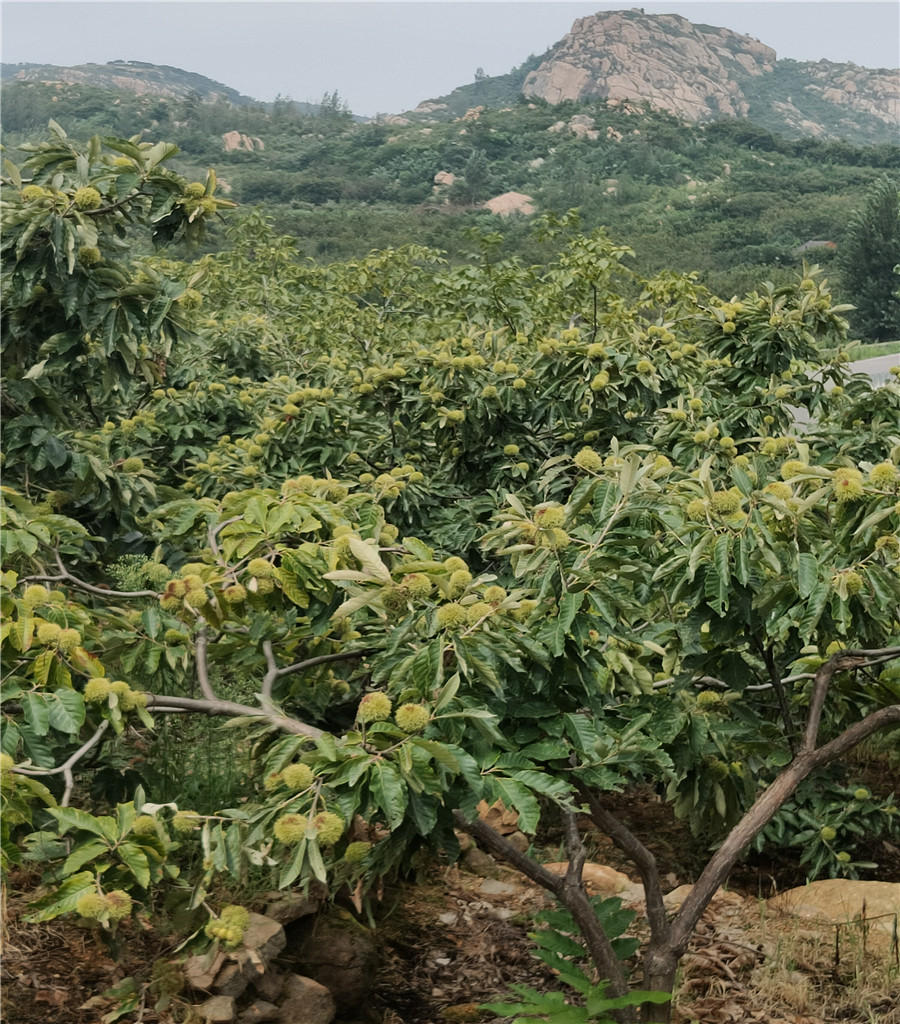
x=132 y=75
x=698 y=73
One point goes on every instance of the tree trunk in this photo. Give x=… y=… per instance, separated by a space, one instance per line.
x=660 y=964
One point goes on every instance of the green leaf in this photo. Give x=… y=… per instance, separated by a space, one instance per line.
x=10 y=738
x=316 y=864
x=12 y=172
x=734 y=670
x=873 y=520
x=885 y=586
x=742 y=559
x=447 y=693
x=568 y=609
x=368 y=556
x=41 y=666
x=818 y=599
x=63 y=900
x=34 y=707
x=65 y=711
x=427 y=669
x=125 y=817
x=697 y=553
x=354 y=604
x=439 y=752
x=742 y=480
x=72 y=817
x=722 y=556
x=546 y=784
x=635 y=999
x=83 y=853
x=388 y=791
x=291 y=871
x=807 y=574
x=136 y=861
x=521 y=799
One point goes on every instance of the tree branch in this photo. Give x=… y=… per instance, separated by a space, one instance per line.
x=230 y=709
x=575 y=850
x=634 y=849
x=761 y=813
x=839 y=662
x=201 y=647
x=322 y=659
x=575 y=899
x=214 y=531
x=67 y=577
x=768 y=658
x=568 y=889
x=271 y=670
x=66 y=767
x=503 y=849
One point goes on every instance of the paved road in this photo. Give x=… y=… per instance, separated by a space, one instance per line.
x=878 y=367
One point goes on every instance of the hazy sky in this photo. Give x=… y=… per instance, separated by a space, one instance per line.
x=384 y=57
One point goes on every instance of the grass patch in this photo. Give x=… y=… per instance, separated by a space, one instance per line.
x=807 y=971
x=860 y=351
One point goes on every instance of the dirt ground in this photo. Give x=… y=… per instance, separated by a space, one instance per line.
x=455 y=939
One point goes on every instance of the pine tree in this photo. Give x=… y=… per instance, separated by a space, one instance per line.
x=869 y=258
x=477 y=175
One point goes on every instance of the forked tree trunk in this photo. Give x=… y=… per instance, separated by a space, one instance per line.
x=669 y=939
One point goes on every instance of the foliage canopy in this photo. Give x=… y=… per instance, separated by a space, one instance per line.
x=427 y=534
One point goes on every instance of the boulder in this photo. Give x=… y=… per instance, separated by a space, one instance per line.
x=477 y=862
x=498 y=815
x=306 y=1002
x=216 y=1010
x=336 y=951
x=265 y=936
x=201 y=971
x=510 y=203
x=235 y=140
x=269 y=986
x=598 y=878
x=243 y=967
x=839 y=901
x=290 y=906
x=258 y=1012
x=722 y=899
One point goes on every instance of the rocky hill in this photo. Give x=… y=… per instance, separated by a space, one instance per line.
x=131 y=75
x=664 y=60
x=698 y=73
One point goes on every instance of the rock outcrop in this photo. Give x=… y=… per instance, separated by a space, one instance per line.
x=235 y=140
x=700 y=73
x=662 y=60
x=337 y=952
x=510 y=203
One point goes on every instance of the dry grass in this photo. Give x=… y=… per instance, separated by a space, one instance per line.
x=847 y=973
x=789 y=971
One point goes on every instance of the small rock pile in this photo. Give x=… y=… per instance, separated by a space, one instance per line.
x=253 y=984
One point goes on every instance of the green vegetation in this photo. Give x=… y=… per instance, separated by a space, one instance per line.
x=870 y=260
x=859 y=352
x=428 y=532
x=730 y=200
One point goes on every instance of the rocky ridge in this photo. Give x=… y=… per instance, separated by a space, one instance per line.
x=696 y=72
x=663 y=60
x=131 y=75
x=700 y=72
